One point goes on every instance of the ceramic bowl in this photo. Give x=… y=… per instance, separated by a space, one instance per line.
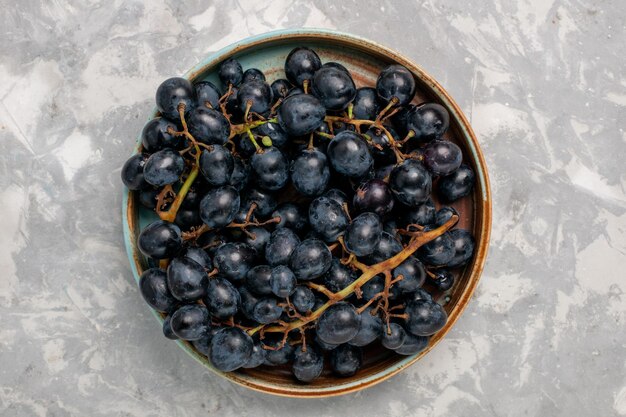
x=364 y=59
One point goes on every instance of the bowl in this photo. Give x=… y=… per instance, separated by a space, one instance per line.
x=364 y=59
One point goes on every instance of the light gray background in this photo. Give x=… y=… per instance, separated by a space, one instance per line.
x=544 y=85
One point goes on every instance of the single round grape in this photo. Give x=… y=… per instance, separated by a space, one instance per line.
x=279 y=354
x=172 y=93
x=282 y=281
x=301 y=114
x=203 y=345
x=394 y=336
x=334 y=87
x=281 y=245
x=464 y=244
x=386 y=155
x=410 y=183
x=266 y=310
x=437 y=252
x=412 y=345
x=200 y=256
x=310 y=260
x=442 y=157
x=156 y=135
x=280 y=89
x=253 y=74
x=338 y=276
x=219 y=206
x=396 y=81
x=270 y=168
x=310 y=173
x=303 y=299
x=248 y=301
x=349 y=155
x=273 y=131
x=363 y=234
x=444 y=214
x=193 y=197
x=167 y=328
x=424 y=317
x=365 y=104
x=153 y=288
x=423 y=214
x=339 y=196
x=428 y=122
x=207 y=94
x=373 y=288
x=346 y=360
x=257 y=237
x=234 y=260
x=386 y=248
x=457 y=184
x=301 y=64
x=230 y=349
x=163 y=167
x=258 y=279
x=307 y=364
x=257 y=94
x=328 y=218
x=190 y=322
x=208 y=126
x=264 y=200
x=132 y=172
x=186 y=279
x=291 y=216
x=335 y=65
x=240 y=176
x=217 y=164
x=230 y=72
x=399 y=121
x=257 y=358
x=222 y=299
x=323 y=345
x=338 y=324
x=413 y=274
x=148 y=198
x=443 y=279
x=369 y=329
x=373 y=196
x=160 y=240
x=418 y=294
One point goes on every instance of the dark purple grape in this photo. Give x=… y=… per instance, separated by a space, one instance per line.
x=457 y=184
x=257 y=237
x=418 y=294
x=399 y=120
x=396 y=81
x=281 y=245
x=303 y=299
x=444 y=214
x=266 y=310
x=207 y=95
x=258 y=279
x=443 y=279
x=230 y=72
x=437 y=252
x=369 y=329
x=373 y=196
x=464 y=244
x=337 y=195
x=307 y=364
x=423 y=214
x=386 y=248
x=280 y=89
x=365 y=104
x=253 y=74
x=172 y=93
x=167 y=328
x=265 y=202
x=163 y=167
x=410 y=183
x=424 y=317
x=310 y=260
x=282 y=281
x=132 y=172
x=187 y=279
x=160 y=240
x=241 y=172
x=334 y=87
x=291 y=216
x=153 y=288
x=219 y=206
x=200 y=256
x=310 y=173
x=349 y=155
x=335 y=65
x=257 y=94
x=208 y=126
x=187 y=218
x=323 y=345
x=373 y=288
x=328 y=218
x=222 y=299
x=301 y=64
x=428 y=122
x=413 y=275
x=338 y=276
x=301 y=114
x=394 y=336
x=190 y=322
x=338 y=324
x=148 y=198
x=442 y=157
x=346 y=360
x=273 y=131
x=156 y=135
x=363 y=234
x=412 y=345
x=270 y=169
x=257 y=358
x=230 y=349
x=378 y=137
x=248 y=301
x=217 y=164
x=234 y=260
x=279 y=354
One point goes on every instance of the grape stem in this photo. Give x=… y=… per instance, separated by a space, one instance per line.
x=418 y=239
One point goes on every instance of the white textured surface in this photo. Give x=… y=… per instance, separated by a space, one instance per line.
x=544 y=84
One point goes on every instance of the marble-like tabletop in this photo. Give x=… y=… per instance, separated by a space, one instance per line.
x=544 y=85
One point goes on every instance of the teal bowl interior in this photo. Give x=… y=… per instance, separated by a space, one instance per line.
x=364 y=60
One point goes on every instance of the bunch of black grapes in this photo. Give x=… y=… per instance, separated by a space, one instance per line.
x=296 y=219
